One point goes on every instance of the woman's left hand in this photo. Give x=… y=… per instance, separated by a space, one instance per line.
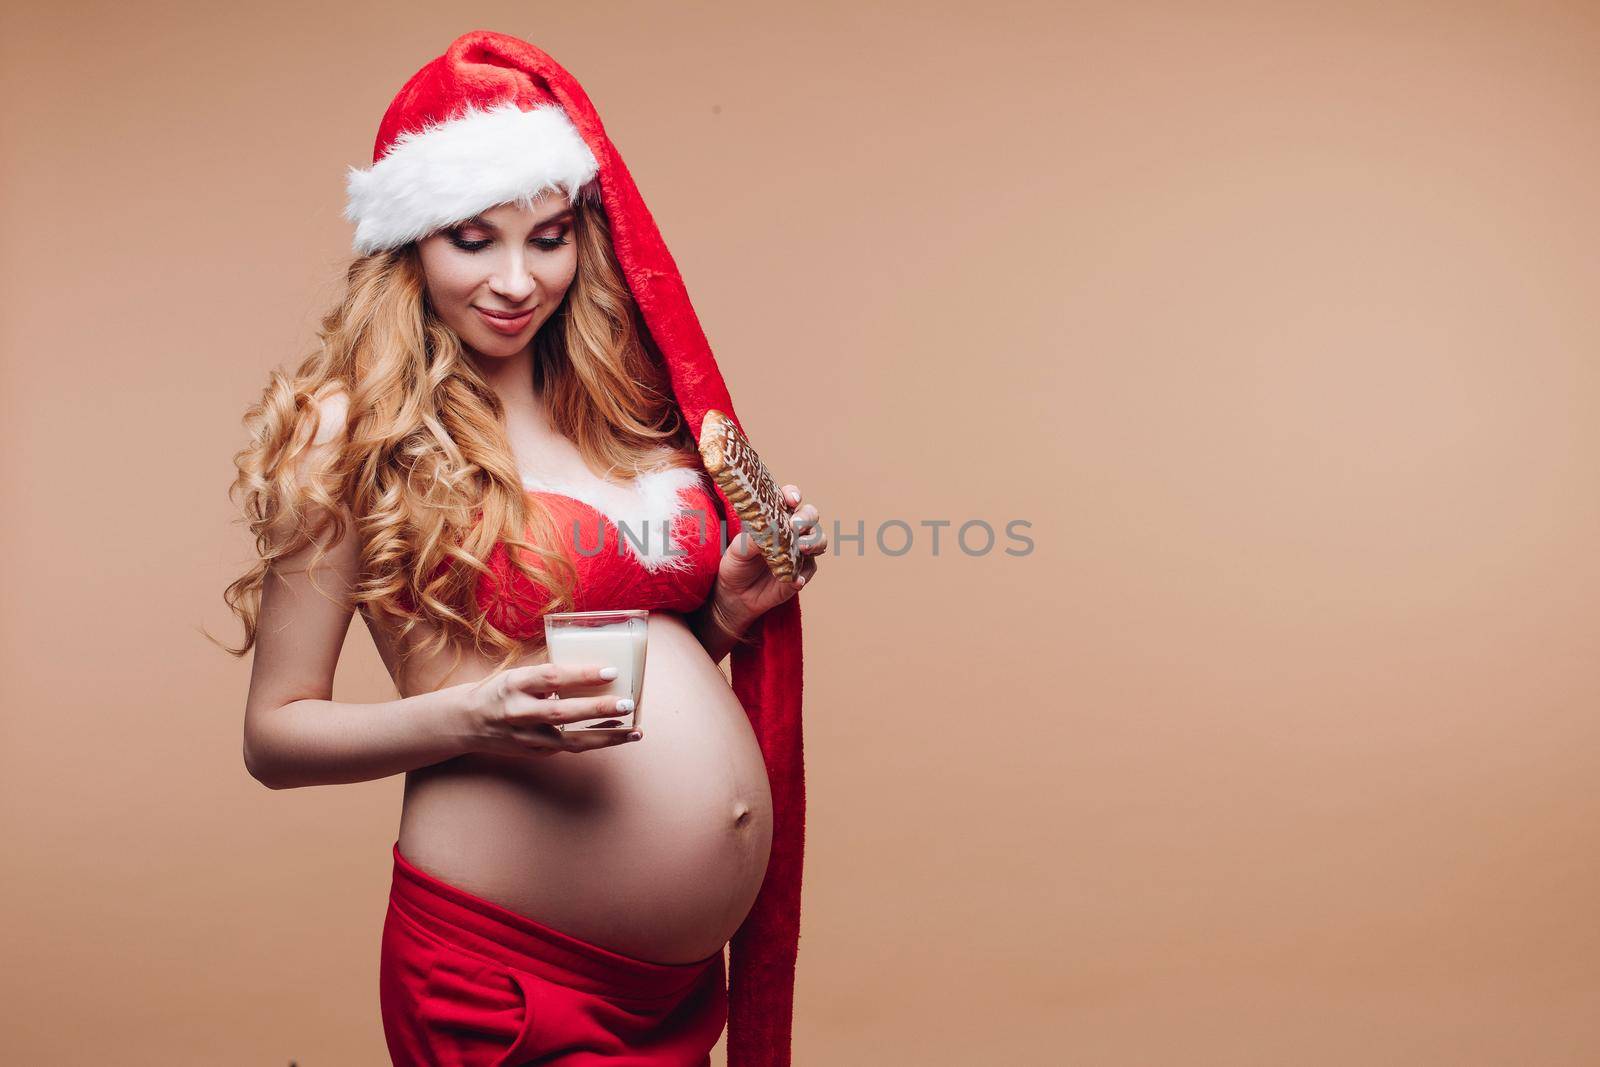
x=746 y=587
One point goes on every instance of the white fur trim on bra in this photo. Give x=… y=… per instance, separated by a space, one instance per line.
x=647 y=508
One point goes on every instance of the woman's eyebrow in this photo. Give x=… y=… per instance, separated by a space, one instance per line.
x=479 y=220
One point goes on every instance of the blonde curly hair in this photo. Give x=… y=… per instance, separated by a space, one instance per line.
x=423 y=467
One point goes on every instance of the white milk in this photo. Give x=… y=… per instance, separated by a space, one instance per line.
x=620 y=644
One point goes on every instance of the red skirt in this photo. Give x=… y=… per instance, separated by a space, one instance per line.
x=463 y=982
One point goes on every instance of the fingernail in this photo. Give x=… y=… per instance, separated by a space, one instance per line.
x=636 y=735
x=799 y=582
x=608 y=673
x=624 y=704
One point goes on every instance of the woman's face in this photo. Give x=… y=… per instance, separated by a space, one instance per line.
x=512 y=260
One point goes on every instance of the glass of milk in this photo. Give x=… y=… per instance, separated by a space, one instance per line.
x=609 y=639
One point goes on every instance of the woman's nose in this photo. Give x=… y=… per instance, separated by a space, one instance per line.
x=513 y=276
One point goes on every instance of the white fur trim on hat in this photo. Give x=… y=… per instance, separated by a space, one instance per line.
x=449 y=172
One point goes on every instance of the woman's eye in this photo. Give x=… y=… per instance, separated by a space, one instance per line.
x=549 y=244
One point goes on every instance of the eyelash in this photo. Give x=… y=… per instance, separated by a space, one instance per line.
x=549 y=244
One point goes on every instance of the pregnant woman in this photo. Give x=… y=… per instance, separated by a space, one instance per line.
x=500 y=423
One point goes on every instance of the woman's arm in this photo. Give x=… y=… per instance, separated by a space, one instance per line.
x=294 y=734
x=745 y=587
x=326 y=742
x=716 y=628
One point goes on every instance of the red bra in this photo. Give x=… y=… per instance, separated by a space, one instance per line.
x=656 y=544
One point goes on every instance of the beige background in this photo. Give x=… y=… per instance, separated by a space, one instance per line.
x=1276 y=321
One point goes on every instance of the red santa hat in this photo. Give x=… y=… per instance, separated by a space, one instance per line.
x=494 y=120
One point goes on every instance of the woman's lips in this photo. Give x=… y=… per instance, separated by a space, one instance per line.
x=502 y=324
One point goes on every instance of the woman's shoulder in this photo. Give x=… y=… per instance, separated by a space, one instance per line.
x=319 y=457
x=333 y=412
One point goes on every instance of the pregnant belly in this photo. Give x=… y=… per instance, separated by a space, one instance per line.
x=654 y=849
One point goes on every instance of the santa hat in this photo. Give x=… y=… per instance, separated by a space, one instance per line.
x=493 y=120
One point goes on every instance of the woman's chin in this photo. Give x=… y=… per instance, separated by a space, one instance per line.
x=495 y=346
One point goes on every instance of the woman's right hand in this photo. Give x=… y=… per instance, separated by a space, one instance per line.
x=515 y=712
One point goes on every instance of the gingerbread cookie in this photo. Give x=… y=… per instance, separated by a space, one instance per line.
x=752 y=491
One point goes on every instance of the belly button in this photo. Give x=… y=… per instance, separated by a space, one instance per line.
x=741 y=812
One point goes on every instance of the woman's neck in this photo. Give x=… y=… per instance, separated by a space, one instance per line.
x=511 y=378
